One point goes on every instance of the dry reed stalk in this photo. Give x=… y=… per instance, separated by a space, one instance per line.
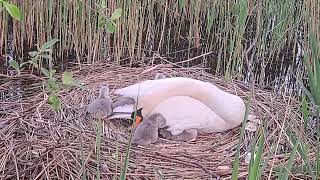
x=176 y=29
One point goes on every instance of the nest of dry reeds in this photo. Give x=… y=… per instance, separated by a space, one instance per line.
x=37 y=143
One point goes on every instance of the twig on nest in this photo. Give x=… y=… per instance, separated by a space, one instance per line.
x=194 y=164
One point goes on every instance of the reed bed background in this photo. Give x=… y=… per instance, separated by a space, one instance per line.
x=244 y=39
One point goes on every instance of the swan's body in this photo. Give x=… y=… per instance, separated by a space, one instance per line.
x=188 y=113
x=102 y=106
x=205 y=101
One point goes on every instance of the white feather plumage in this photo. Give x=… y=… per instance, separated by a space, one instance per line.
x=186 y=103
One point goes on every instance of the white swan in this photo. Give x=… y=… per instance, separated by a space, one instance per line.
x=226 y=107
x=188 y=113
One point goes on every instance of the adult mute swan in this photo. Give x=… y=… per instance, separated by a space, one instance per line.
x=227 y=109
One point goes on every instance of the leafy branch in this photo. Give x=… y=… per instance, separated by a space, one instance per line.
x=12 y=9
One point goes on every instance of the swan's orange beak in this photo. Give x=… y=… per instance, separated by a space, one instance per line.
x=138 y=120
x=138 y=117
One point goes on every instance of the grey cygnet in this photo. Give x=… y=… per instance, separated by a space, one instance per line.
x=101 y=107
x=187 y=135
x=160 y=76
x=147 y=131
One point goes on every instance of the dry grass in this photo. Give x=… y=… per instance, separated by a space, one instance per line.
x=36 y=143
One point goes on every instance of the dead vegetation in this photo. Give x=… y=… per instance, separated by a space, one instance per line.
x=36 y=143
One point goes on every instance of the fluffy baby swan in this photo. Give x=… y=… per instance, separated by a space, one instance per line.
x=102 y=106
x=147 y=131
x=186 y=135
x=160 y=76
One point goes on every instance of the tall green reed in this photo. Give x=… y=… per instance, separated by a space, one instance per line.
x=126 y=161
x=176 y=29
x=312 y=63
x=235 y=166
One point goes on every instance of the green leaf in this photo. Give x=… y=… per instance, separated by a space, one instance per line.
x=13 y=10
x=14 y=64
x=52 y=86
x=123 y=173
x=55 y=102
x=102 y=21
x=318 y=143
x=45 y=72
x=67 y=78
x=33 y=53
x=111 y=27
x=116 y=14
x=49 y=44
